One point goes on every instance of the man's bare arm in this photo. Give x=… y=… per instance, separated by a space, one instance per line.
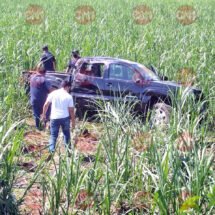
x=72 y=116
x=67 y=69
x=45 y=108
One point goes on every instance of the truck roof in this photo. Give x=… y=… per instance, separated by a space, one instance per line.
x=106 y=59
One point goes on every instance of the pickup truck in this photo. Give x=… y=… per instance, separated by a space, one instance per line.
x=110 y=79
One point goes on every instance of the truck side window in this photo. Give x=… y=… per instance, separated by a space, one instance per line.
x=97 y=69
x=118 y=71
x=83 y=68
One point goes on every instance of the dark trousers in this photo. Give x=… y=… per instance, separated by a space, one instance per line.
x=37 y=111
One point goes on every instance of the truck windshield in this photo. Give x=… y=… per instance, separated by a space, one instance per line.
x=146 y=73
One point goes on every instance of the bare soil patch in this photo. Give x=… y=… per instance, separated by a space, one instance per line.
x=87 y=143
x=35 y=148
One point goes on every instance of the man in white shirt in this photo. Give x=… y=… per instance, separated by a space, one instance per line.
x=62 y=110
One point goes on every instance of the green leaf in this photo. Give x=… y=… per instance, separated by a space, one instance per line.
x=161 y=202
x=190 y=203
x=165 y=164
x=211 y=197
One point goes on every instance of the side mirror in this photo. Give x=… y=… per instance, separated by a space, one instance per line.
x=164 y=78
x=153 y=69
x=138 y=81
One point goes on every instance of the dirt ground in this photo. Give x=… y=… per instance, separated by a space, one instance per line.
x=35 y=149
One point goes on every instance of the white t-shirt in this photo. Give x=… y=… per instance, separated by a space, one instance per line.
x=61 y=100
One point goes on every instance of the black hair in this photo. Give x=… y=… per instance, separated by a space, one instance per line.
x=75 y=53
x=66 y=83
x=45 y=48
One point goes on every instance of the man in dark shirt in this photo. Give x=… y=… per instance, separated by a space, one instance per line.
x=75 y=56
x=39 y=89
x=48 y=59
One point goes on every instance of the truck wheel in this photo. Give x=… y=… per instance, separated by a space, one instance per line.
x=160 y=116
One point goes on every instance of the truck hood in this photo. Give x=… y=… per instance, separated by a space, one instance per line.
x=168 y=83
x=165 y=87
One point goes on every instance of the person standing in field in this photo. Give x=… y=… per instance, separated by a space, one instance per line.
x=39 y=89
x=48 y=59
x=62 y=111
x=75 y=56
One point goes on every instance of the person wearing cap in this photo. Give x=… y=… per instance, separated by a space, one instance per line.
x=39 y=89
x=75 y=56
x=48 y=59
x=62 y=111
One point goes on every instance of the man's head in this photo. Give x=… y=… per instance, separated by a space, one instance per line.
x=83 y=68
x=66 y=85
x=75 y=54
x=40 y=68
x=45 y=48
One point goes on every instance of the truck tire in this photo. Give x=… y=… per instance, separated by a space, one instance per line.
x=160 y=116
